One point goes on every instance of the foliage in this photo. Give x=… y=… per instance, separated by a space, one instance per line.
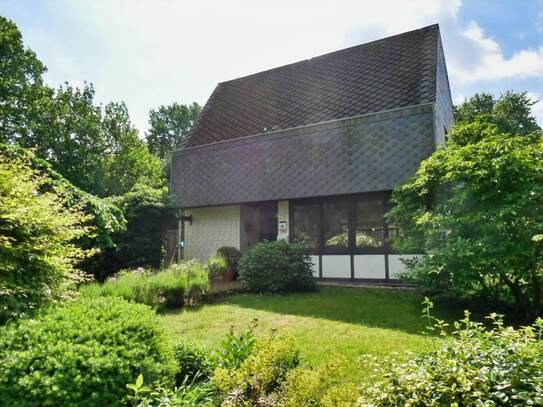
x=511 y=112
x=277 y=267
x=128 y=161
x=216 y=265
x=260 y=375
x=38 y=235
x=82 y=354
x=95 y=148
x=235 y=348
x=193 y=363
x=188 y=394
x=316 y=387
x=302 y=387
x=168 y=125
x=345 y=395
x=148 y=212
x=474 y=207
x=127 y=230
x=176 y=286
x=103 y=216
x=232 y=256
x=473 y=367
x=67 y=133
x=21 y=83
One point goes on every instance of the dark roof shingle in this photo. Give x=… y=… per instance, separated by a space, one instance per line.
x=390 y=73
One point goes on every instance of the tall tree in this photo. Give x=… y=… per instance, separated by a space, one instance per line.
x=475 y=207
x=95 y=148
x=511 y=112
x=21 y=84
x=128 y=159
x=69 y=135
x=168 y=125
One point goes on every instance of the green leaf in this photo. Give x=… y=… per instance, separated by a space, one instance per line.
x=139 y=381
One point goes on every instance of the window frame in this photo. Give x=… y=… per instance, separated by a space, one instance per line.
x=352 y=199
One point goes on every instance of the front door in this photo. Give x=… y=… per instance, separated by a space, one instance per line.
x=258 y=223
x=268 y=221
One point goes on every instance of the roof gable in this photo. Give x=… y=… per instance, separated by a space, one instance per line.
x=390 y=73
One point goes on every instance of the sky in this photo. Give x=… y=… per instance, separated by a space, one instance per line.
x=149 y=53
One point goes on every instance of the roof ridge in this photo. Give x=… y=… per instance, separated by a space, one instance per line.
x=402 y=34
x=391 y=72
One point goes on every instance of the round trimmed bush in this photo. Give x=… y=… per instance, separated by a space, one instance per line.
x=277 y=267
x=83 y=353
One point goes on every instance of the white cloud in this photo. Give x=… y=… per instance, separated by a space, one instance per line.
x=488 y=62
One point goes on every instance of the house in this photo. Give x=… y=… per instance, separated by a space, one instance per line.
x=311 y=151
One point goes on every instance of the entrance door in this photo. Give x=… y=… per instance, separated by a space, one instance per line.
x=268 y=221
x=258 y=223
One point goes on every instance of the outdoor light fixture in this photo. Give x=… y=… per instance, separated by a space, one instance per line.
x=187 y=219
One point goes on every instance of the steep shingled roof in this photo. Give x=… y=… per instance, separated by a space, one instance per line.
x=390 y=73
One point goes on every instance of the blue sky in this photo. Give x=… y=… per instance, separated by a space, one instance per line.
x=149 y=53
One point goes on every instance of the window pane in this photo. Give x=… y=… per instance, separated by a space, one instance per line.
x=336 y=224
x=306 y=224
x=369 y=223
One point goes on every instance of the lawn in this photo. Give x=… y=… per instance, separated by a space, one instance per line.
x=349 y=321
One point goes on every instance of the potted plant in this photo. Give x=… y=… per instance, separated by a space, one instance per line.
x=231 y=255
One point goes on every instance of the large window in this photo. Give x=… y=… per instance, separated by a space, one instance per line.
x=342 y=225
x=306 y=226
x=370 y=225
x=335 y=221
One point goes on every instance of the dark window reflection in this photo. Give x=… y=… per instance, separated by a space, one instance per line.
x=370 y=232
x=336 y=224
x=306 y=223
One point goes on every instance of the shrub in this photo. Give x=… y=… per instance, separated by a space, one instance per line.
x=103 y=218
x=317 y=387
x=148 y=213
x=179 y=284
x=277 y=267
x=82 y=354
x=474 y=207
x=188 y=394
x=302 y=387
x=346 y=395
x=260 y=375
x=38 y=239
x=473 y=367
x=231 y=255
x=193 y=363
x=235 y=348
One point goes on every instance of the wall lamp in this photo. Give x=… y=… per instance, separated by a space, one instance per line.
x=187 y=219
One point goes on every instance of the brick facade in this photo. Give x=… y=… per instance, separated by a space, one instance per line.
x=212 y=227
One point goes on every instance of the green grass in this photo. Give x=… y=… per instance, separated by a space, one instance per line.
x=349 y=321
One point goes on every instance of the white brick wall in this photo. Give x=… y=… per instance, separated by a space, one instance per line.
x=211 y=228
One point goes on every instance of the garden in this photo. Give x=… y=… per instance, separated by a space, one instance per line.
x=92 y=315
